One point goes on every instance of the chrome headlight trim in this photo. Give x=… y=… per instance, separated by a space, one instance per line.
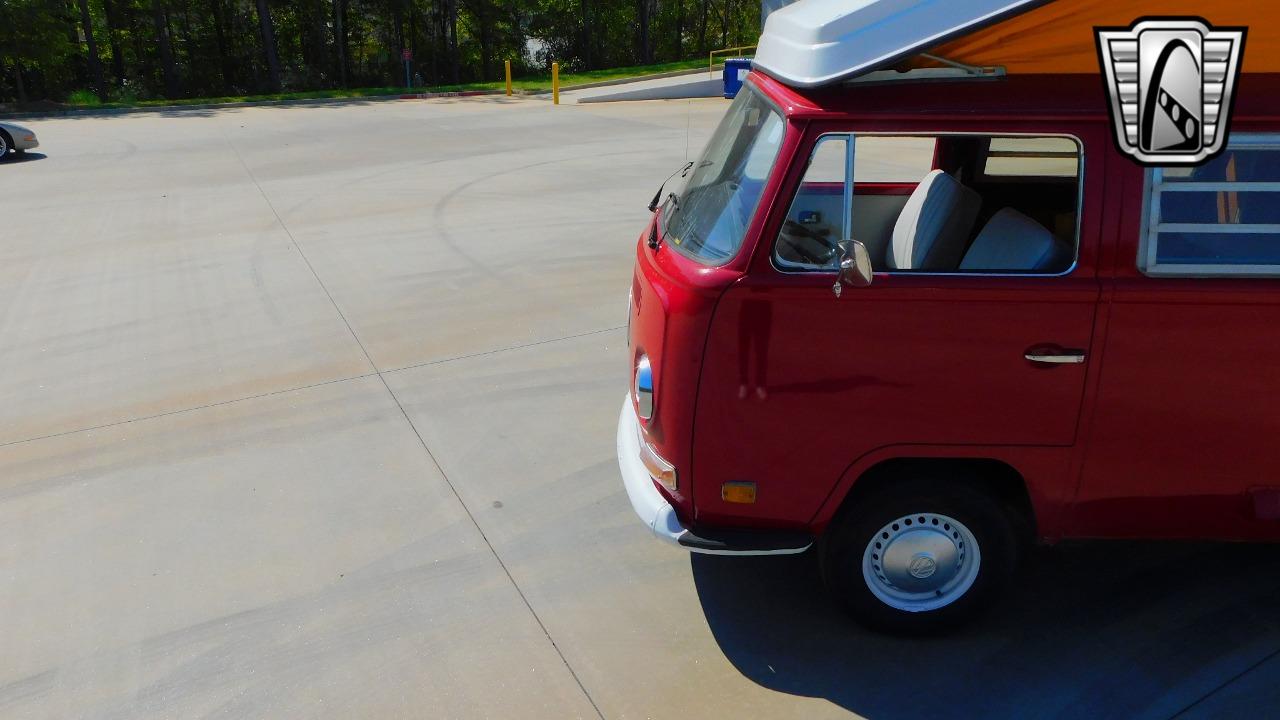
x=644 y=388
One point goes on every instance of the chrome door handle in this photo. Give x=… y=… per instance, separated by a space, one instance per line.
x=1060 y=357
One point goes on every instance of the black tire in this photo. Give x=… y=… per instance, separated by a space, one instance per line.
x=857 y=529
x=6 y=144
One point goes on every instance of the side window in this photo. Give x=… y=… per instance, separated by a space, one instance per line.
x=1032 y=157
x=1220 y=218
x=816 y=220
x=891 y=159
x=955 y=203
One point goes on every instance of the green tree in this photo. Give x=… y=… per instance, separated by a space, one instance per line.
x=176 y=48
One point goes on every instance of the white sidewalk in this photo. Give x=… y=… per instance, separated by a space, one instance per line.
x=697 y=85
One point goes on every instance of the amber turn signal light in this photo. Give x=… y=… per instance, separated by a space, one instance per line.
x=738 y=491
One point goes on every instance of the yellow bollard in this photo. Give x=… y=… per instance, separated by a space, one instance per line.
x=555 y=83
x=508 y=78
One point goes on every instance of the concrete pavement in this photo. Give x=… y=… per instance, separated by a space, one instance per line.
x=309 y=413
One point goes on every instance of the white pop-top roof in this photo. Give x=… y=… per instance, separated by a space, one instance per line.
x=816 y=42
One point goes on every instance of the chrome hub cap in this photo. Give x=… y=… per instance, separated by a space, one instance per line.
x=921 y=562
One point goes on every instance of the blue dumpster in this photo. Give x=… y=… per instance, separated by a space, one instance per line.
x=735 y=71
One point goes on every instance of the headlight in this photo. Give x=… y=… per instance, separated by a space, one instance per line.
x=644 y=388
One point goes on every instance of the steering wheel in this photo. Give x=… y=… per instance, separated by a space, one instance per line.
x=814 y=246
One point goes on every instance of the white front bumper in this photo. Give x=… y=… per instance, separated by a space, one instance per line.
x=646 y=500
x=657 y=513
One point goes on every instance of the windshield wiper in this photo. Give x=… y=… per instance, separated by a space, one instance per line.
x=653 y=204
x=653 y=229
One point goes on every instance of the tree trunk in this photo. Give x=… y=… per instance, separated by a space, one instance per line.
x=340 y=38
x=268 y=31
x=224 y=53
x=95 y=63
x=433 y=39
x=455 y=59
x=397 y=26
x=117 y=58
x=187 y=43
x=642 y=17
x=724 y=25
x=702 y=28
x=166 y=50
x=679 y=30
x=486 y=40
x=411 y=42
x=586 y=35
x=18 y=84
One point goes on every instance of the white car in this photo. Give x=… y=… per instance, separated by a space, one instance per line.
x=16 y=138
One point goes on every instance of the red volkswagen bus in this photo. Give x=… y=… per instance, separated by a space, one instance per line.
x=916 y=307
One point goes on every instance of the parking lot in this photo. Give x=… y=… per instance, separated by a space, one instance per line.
x=308 y=411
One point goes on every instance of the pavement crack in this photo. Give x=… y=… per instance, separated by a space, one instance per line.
x=298 y=248
x=379 y=373
x=180 y=411
x=510 y=348
x=1225 y=683
x=492 y=550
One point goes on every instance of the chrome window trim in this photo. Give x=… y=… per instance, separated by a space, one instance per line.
x=1154 y=187
x=847 y=214
x=1080 y=178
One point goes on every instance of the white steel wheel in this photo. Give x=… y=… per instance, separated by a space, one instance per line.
x=921 y=562
x=920 y=555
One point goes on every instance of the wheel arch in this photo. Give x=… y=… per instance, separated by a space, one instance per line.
x=995 y=476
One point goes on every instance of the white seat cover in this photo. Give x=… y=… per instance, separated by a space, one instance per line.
x=1013 y=241
x=934 y=225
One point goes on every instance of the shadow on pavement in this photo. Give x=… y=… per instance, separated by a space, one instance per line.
x=1100 y=630
x=15 y=158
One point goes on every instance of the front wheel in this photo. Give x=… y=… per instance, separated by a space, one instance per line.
x=5 y=144
x=920 y=556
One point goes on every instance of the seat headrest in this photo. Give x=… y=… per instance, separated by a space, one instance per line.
x=934 y=225
x=1013 y=241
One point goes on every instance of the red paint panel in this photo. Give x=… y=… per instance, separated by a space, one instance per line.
x=864 y=188
x=884 y=188
x=1184 y=425
x=809 y=383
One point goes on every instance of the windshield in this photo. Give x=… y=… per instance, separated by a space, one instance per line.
x=708 y=219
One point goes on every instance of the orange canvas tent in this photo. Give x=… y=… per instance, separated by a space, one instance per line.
x=1058 y=37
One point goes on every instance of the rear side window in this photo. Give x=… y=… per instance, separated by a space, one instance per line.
x=1220 y=218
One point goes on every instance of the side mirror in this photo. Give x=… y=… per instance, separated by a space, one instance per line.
x=855 y=266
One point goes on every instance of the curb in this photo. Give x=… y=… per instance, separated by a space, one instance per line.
x=90 y=112
x=428 y=96
x=624 y=81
